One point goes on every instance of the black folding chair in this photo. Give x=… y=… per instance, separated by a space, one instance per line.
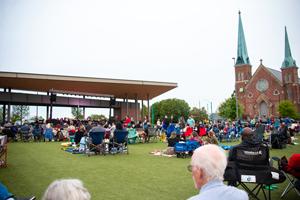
x=292 y=175
x=251 y=166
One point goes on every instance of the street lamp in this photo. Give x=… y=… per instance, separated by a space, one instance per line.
x=236 y=97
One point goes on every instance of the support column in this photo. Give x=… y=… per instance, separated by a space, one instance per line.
x=83 y=110
x=4 y=113
x=126 y=104
x=136 y=108
x=148 y=104
x=142 y=114
x=47 y=108
x=8 y=112
x=9 y=106
x=47 y=112
x=51 y=109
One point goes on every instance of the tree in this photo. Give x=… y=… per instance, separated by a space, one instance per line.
x=77 y=112
x=199 y=114
x=227 y=109
x=19 y=113
x=287 y=109
x=170 y=107
x=145 y=111
x=96 y=117
x=34 y=118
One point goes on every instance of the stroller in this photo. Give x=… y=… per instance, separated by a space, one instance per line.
x=184 y=149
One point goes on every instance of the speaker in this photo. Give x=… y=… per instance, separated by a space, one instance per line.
x=53 y=97
x=112 y=101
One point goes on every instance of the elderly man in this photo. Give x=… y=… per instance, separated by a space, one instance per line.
x=207 y=166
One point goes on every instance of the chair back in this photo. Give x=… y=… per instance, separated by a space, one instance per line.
x=132 y=133
x=97 y=137
x=3 y=140
x=152 y=132
x=256 y=155
x=120 y=136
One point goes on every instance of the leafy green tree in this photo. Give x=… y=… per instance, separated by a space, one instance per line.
x=96 y=117
x=77 y=112
x=19 y=112
x=145 y=111
x=227 y=109
x=287 y=109
x=170 y=107
x=34 y=118
x=199 y=114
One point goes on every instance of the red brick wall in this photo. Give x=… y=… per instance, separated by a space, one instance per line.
x=251 y=98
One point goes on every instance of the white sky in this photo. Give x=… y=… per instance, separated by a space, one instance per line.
x=188 y=42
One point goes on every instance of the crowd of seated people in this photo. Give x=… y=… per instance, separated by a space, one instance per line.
x=210 y=132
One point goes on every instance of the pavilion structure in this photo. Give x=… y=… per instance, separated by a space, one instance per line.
x=121 y=95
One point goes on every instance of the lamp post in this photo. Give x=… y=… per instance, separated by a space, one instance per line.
x=236 y=96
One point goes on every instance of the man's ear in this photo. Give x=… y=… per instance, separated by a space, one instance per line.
x=200 y=172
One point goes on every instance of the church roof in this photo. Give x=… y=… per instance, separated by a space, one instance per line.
x=242 y=54
x=288 y=59
x=277 y=74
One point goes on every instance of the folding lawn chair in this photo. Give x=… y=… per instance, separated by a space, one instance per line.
x=3 y=151
x=120 y=142
x=291 y=170
x=95 y=143
x=132 y=136
x=152 y=134
x=251 y=166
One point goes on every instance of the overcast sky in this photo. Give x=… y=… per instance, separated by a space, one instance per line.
x=188 y=42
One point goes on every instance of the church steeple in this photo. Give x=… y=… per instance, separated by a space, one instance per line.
x=242 y=54
x=288 y=59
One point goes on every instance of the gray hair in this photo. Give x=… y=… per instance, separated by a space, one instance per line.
x=212 y=160
x=66 y=189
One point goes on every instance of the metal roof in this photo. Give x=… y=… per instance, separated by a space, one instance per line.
x=90 y=86
x=277 y=74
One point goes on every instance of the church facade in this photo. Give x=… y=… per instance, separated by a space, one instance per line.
x=261 y=92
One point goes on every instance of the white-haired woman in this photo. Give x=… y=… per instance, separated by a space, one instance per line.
x=207 y=166
x=66 y=189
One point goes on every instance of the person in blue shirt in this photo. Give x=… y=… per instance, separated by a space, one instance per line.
x=6 y=195
x=207 y=166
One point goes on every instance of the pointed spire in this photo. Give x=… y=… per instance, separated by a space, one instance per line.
x=242 y=54
x=288 y=59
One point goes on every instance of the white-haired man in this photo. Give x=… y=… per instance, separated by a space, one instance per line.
x=207 y=166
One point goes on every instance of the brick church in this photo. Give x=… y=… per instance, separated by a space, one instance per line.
x=260 y=93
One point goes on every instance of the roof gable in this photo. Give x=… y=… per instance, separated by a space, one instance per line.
x=273 y=73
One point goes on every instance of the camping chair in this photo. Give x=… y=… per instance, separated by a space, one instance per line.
x=132 y=136
x=3 y=151
x=291 y=172
x=26 y=136
x=120 y=142
x=37 y=133
x=250 y=165
x=152 y=134
x=95 y=143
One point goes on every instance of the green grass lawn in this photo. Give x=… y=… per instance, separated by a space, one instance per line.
x=139 y=175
